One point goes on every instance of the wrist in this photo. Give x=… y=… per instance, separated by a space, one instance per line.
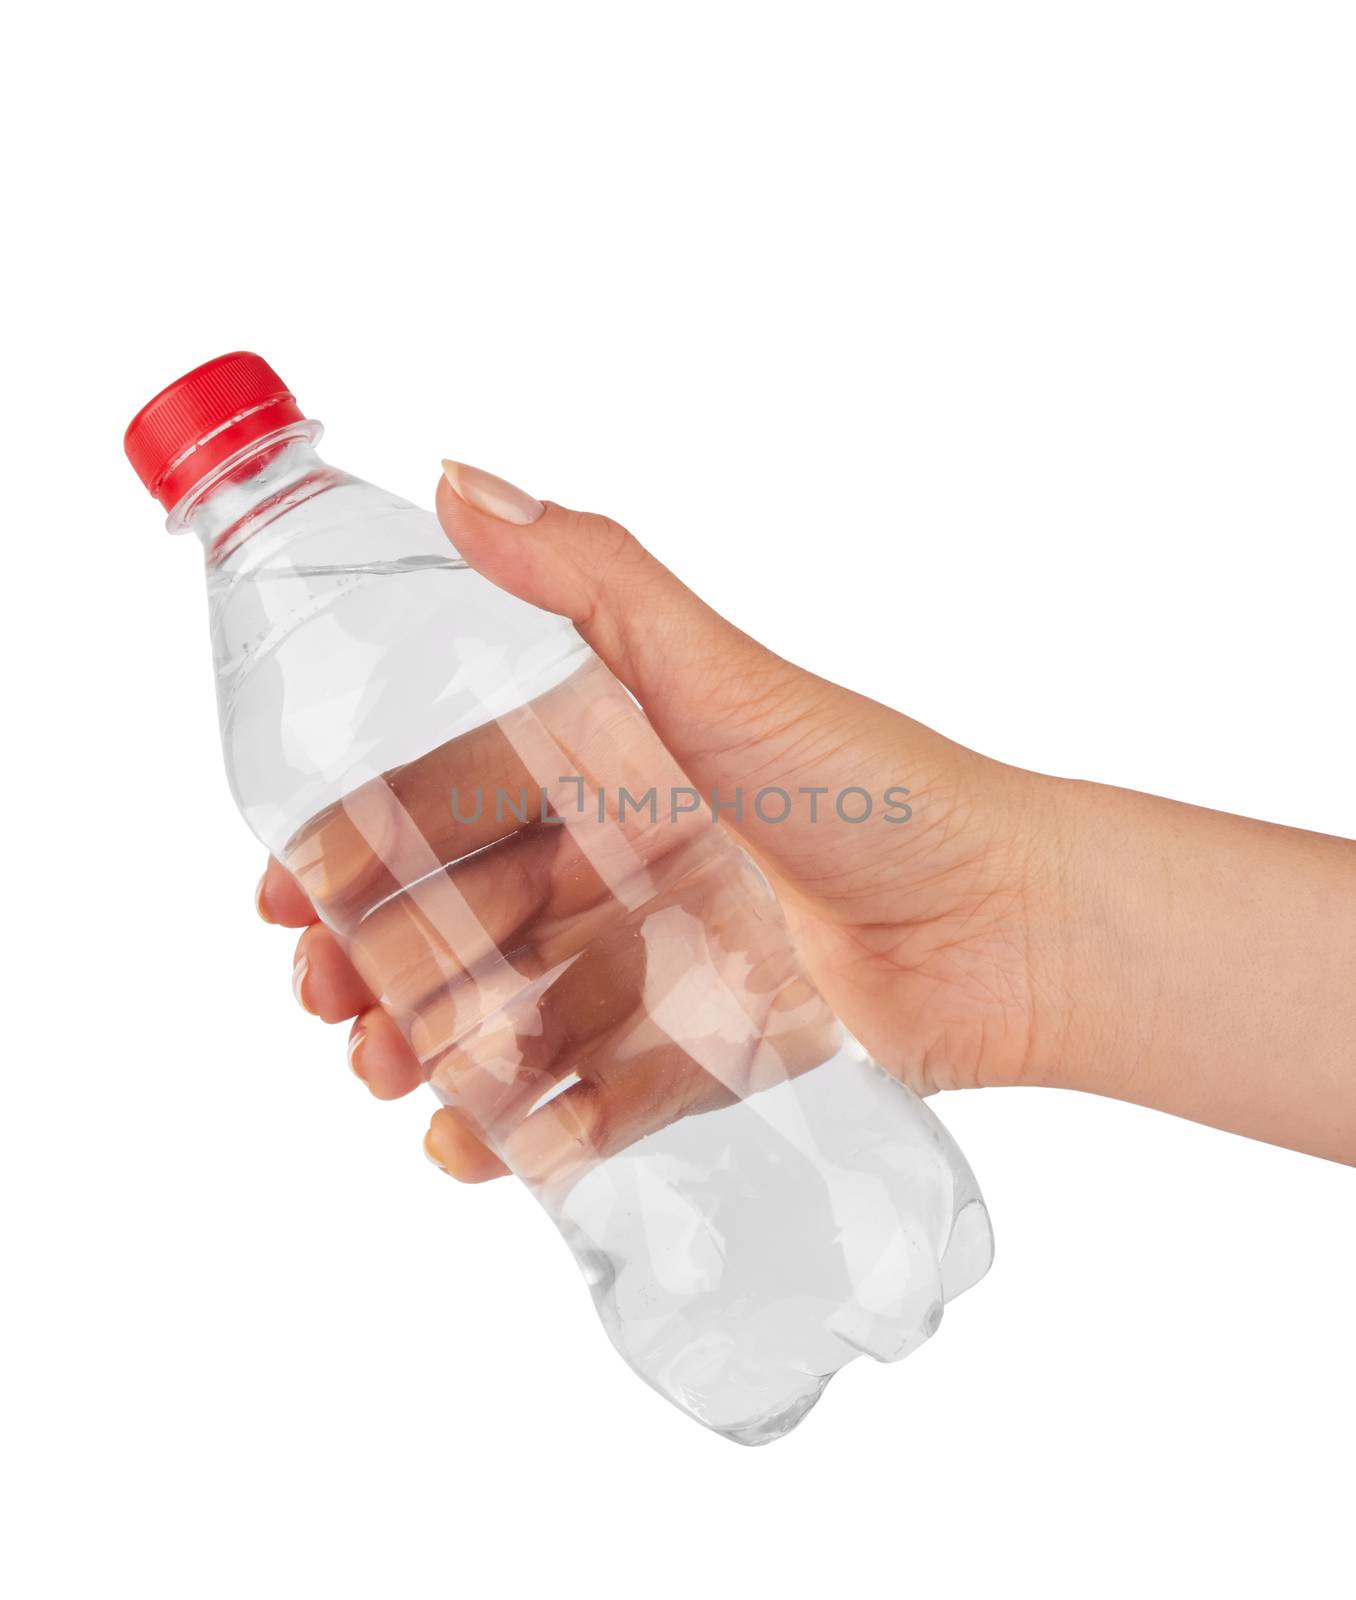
x=1092 y=871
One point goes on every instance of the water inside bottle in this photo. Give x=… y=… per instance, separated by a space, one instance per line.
x=610 y=996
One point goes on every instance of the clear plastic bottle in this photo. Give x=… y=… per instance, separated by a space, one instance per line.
x=605 y=991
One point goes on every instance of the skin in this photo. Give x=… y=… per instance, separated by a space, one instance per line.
x=1021 y=929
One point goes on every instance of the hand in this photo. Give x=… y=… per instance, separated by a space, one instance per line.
x=1017 y=929
x=921 y=936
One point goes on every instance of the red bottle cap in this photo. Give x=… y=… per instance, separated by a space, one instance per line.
x=202 y=419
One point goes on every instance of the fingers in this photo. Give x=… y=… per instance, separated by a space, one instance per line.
x=692 y=1003
x=554 y=758
x=327 y=985
x=379 y=1056
x=554 y=982
x=531 y=965
x=324 y=979
x=451 y=1145
x=280 y=898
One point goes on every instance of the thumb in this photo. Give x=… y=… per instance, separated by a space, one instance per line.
x=712 y=693
x=737 y=718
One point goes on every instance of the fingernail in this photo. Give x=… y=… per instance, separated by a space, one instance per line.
x=259 y=902
x=428 y=1151
x=356 y=1041
x=484 y=492
x=299 y=972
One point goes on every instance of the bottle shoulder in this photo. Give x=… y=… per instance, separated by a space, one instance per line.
x=348 y=637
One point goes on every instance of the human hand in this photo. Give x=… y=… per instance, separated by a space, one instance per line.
x=922 y=937
x=1018 y=929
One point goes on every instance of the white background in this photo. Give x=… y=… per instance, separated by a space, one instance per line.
x=994 y=359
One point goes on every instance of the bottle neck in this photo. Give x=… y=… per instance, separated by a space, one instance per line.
x=268 y=477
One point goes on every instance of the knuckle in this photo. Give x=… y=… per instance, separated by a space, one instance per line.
x=607 y=549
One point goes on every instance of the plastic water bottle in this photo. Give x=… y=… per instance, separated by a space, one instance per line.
x=606 y=992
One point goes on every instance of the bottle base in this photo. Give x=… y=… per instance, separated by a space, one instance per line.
x=742 y=1256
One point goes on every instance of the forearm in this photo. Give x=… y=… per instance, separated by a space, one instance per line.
x=1211 y=967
